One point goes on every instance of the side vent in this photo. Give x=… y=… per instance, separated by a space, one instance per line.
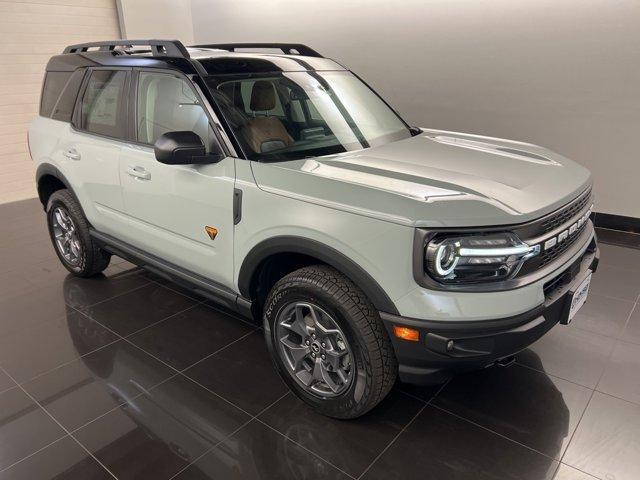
x=237 y=206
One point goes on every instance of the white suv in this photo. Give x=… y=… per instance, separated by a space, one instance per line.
x=281 y=186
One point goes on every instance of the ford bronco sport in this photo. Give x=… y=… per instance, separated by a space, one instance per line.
x=276 y=182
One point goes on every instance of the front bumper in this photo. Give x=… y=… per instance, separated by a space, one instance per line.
x=446 y=348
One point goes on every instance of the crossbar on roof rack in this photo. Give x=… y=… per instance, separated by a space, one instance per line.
x=159 y=48
x=287 y=48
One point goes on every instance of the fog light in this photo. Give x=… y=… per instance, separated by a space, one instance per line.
x=406 y=333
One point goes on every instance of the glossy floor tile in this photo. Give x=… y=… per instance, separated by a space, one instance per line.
x=619 y=256
x=186 y=338
x=570 y=353
x=631 y=332
x=616 y=282
x=48 y=272
x=604 y=315
x=83 y=293
x=6 y=382
x=422 y=392
x=622 y=375
x=127 y=376
x=24 y=427
x=26 y=309
x=350 y=446
x=607 y=441
x=566 y=472
x=88 y=387
x=257 y=452
x=527 y=406
x=442 y=446
x=139 y=308
x=63 y=460
x=242 y=373
x=157 y=434
x=22 y=354
x=36 y=250
x=12 y=286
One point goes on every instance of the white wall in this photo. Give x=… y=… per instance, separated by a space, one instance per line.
x=561 y=73
x=156 y=19
x=31 y=31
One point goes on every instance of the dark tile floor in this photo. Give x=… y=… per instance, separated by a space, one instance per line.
x=124 y=376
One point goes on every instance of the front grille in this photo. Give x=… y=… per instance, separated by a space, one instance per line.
x=565 y=214
x=550 y=255
x=538 y=229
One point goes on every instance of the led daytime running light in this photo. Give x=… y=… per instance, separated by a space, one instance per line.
x=498 y=252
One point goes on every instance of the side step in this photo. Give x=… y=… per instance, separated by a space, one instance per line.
x=185 y=278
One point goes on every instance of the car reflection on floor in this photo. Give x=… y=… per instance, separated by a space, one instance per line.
x=177 y=415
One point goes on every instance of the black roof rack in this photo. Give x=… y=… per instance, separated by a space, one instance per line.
x=159 y=48
x=287 y=48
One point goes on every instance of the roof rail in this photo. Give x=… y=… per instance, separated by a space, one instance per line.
x=287 y=48
x=159 y=48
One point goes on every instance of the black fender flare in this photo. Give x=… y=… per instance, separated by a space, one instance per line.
x=324 y=253
x=48 y=169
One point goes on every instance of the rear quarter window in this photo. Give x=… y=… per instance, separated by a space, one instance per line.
x=54 y=83
x=63 y=109
x=59 y=94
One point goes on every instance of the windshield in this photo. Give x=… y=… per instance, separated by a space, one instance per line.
x=291 y=115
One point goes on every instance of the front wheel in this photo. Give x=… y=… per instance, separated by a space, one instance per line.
x=328 y=342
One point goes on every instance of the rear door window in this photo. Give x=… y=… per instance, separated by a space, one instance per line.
x=103 y=109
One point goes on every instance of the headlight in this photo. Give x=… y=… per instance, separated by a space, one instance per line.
x=476 y=258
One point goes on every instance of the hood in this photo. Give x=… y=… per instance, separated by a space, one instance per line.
x=434 y=179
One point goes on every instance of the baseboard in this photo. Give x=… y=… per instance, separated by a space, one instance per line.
x=617 y=222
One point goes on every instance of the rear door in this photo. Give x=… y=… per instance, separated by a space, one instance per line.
x=170 y=206
x=91 y=150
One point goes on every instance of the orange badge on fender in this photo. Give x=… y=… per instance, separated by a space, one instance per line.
x=211 y=231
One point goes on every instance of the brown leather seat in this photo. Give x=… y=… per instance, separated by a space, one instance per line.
x=264 y=133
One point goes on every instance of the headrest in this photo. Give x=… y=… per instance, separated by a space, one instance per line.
x=263 y=96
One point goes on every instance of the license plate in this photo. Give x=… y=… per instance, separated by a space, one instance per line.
x=579 y=297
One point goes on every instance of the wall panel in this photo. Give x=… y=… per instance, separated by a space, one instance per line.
x=30 y=32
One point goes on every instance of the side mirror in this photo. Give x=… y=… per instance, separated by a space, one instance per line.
x=183 y=148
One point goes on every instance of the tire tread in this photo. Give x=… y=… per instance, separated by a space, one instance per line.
x=96 y=259
x=382 y=360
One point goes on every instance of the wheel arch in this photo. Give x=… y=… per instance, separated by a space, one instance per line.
x=308 y=249
x=48 y=180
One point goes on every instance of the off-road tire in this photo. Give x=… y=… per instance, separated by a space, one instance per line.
x=93 y=259
x=373 y=356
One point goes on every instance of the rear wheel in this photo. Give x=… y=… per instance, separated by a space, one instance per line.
x=328 y=342
x=69 y=232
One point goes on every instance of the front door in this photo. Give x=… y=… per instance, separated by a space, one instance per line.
x=173 y=209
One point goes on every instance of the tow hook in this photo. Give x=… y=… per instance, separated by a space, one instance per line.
x=506 y=361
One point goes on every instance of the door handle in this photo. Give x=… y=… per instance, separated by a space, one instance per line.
x=139 y=173
x=72 y=154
